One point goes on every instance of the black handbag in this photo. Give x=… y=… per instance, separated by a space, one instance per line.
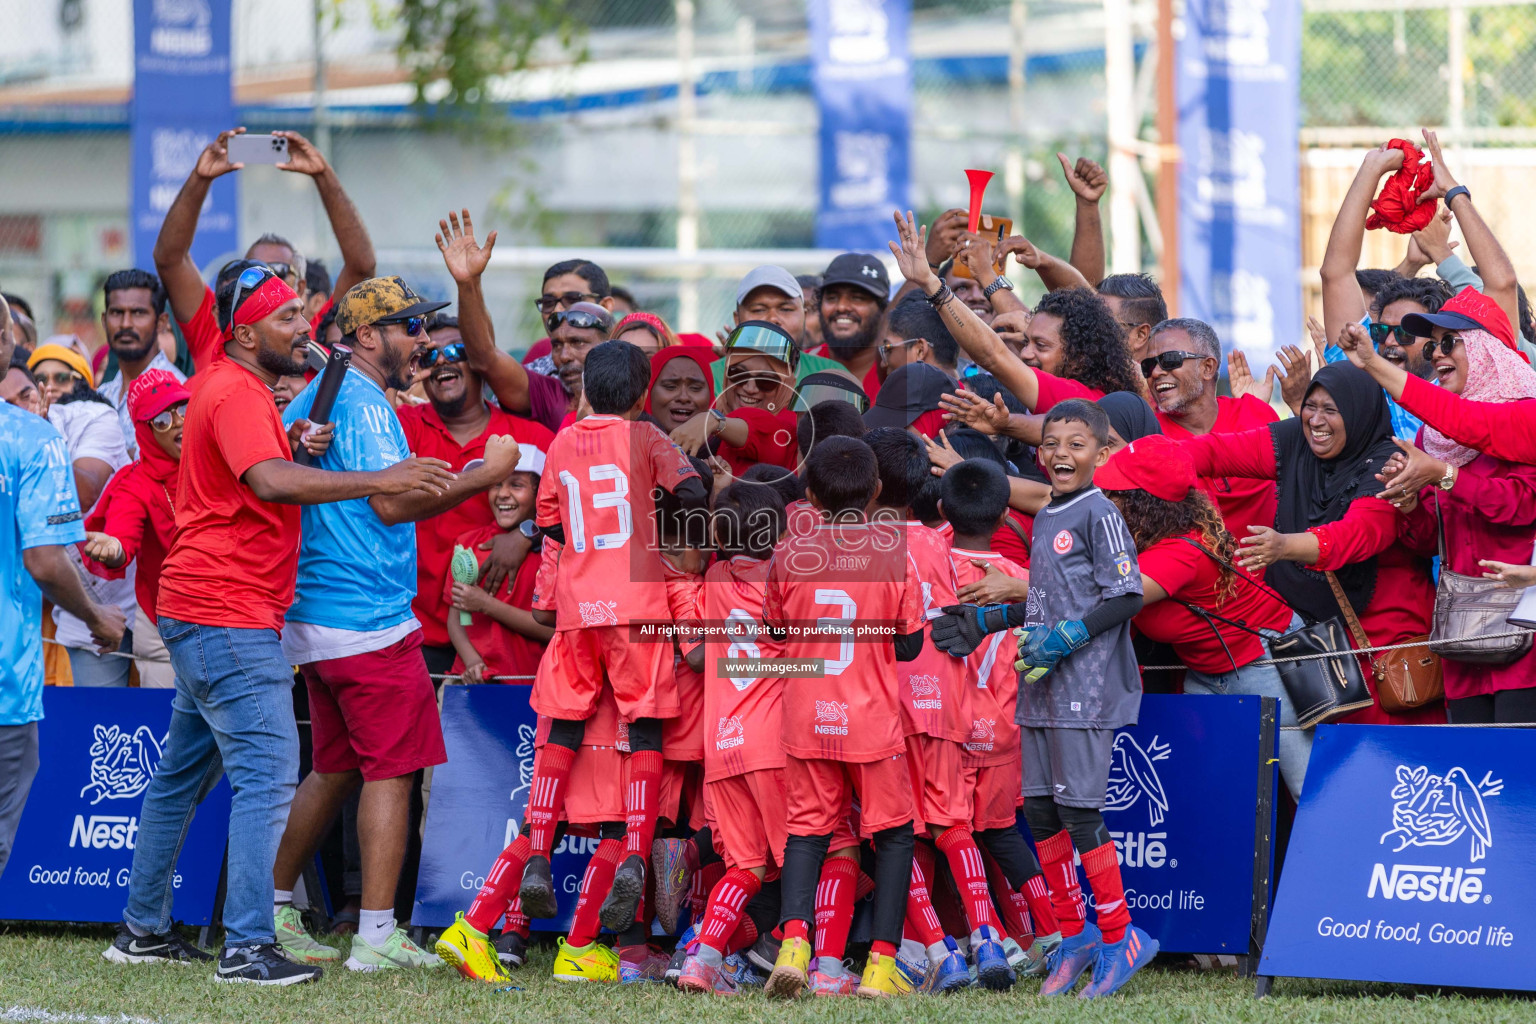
x=1471 y=612
x=1321 y=688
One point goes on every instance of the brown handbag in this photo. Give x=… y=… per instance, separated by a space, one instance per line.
x=1406 y=679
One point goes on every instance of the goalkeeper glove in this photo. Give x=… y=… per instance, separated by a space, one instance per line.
x=962 y=627
x=1042 y=647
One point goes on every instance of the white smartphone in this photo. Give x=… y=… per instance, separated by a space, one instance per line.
x=258 y=149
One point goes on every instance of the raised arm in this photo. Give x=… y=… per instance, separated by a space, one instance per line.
x=466 y=260
x=1342 y=302
x=173 y=246
x=357 y=262
x=1492 y=262
x=1088 y=182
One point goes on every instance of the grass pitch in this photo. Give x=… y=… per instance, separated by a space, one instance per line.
x=56 y=974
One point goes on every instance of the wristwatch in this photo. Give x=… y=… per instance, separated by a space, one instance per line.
x=1001 y=282
x=719 y=421
x=528 y=529
x=1449 y=480
x=1459 y=190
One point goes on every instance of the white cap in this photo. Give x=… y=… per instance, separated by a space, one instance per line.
x=768 y=276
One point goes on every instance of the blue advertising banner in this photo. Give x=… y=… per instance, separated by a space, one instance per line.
x=861 y=72
x=181 y=101
x=1411 y=860
x=1238 y=94
x=478 y=801
x=1183 y=787
x=98 y=749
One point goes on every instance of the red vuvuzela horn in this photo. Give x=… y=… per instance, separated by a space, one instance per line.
x=978 y=180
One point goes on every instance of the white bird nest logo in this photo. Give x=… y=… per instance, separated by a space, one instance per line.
x=1437 y=810
x=122 y=763
x=1133 y=775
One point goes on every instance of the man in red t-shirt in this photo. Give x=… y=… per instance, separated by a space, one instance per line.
x=842 y=597
x=1182 y=362
x=224 y=588
x=192 y=301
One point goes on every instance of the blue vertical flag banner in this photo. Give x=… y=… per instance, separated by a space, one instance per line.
x=1411 y=860
x=1238 y=95
x=861 y=69
x=181 y=101
x=98 y=749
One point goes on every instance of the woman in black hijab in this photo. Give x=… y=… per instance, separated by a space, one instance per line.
x=1325 y=462
x=1130 y=418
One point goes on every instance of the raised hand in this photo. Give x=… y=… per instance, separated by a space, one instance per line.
x=501 y=454
x=1319 y=338
x=1355 y=340
x=1295 y=373
x=415 y=474
x=944 y=238
x=911 y=255
x=1086 y=178
x=941 y=453
x=971 y=410
x=1241 y=378
x=465 y=258
x=303 y=157
x=1021 y=249
x=976 y=252
x=1444 y=180
x=213 y=161
x=1432 y=244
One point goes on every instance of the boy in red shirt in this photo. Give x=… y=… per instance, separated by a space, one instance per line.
x=844 y=601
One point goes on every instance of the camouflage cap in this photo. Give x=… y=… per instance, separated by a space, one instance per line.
x=380 y=298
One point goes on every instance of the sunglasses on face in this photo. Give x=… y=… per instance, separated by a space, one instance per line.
x=1169 y=361
x=578 y=318
x=450 y=353
x=412 y=324
x=887 y=347
x=762 y=380
x=282 y=270
x=1446 y=345
x=547 y=304
x=59 y=378
x=1381 y=332
x=175 y=416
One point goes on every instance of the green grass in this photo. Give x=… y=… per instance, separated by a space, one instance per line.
x=60 y=971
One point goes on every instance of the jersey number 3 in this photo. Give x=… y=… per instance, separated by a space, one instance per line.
x=617 y=499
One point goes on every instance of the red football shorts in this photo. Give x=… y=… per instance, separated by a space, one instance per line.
x=819 y=795
x=374 y=712
x=938 y=781
x=594 y=792
x=579 y=662
x=750 y=819
x=682 y=792
x=997 y=790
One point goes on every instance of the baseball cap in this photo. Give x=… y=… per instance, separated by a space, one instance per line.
x=768 y=276
x=765 y=338
x=907 y=393
x=378 y=299
x=861 y=269
x=1155 y=464
x=152 y=392
x=830 y=386
x=1470 y=310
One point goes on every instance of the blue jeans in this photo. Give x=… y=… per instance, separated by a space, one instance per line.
x=233 y=712
x=1264 y=681
x=87 y=668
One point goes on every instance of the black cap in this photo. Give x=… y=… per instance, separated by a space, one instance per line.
x=907 y=393
x=861 y=269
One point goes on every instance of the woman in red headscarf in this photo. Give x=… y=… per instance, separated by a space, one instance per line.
x=646 y=331
x=682 y=385
x=135 y=517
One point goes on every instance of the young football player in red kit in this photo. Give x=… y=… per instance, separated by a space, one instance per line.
x=843 y=599
x=937 y=719
x=974 y=500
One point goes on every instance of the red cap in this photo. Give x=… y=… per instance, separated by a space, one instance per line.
x=152 y=392
x=1155 y=464
x=1470 y=309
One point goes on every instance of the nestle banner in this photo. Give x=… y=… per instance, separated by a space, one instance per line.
x=478 y=801
x=1190 y=793
x=861 y=70
x=1411 y=860
x=1238 y=94
x=98 y=749
x=181 y=101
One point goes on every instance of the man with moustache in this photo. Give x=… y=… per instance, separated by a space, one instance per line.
x=132 y=319
x=854 y=292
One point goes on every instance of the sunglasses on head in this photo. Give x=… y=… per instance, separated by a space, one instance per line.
x=412 y=324
x=1169 y=361
x=453 y=352
x=1381 y=332
x=175 y=416
x=549 y=303
x=249 y=280
x=1446 y=345
x=578 y=318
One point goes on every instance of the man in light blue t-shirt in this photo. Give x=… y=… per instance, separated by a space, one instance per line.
x=37 y=496
x=373 y=711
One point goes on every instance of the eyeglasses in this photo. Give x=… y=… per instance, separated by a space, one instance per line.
x=1446 y=345
x=1381 y=332
x=249 y=280
x=282 y=270
x=547 y=304
x=1169 y=361
x=412 y=324
x=59 y=378
x=175 y=416
x=579 y=318
x=450 y=353
x=887 y=347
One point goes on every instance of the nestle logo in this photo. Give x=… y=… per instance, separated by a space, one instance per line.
x=104 y=832
x=1428 y=883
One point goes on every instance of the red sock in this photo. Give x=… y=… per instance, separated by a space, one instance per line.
x=744 y=935
x=640 y=800
x=1061 y=879
x=546 y=796
x=921 y=920
x=878 y=948
x=834 y=906
x=500 y=887
x=725 y=903
x=1103 y=872
x=959 y=848
x=594 y=889
x=516 y=920
x=704 y=881
x=866 y=885
x=1038 y=895
x=794 y=928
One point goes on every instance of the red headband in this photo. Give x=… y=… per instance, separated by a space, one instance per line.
x=273 y=294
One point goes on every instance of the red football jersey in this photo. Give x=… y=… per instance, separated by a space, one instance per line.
x=743 y=715
x=682 y=738
x=992 y=682
x=598 y=482
x=933 y=697
x=842 y=593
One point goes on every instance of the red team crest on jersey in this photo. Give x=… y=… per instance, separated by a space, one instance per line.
x=1063 y=542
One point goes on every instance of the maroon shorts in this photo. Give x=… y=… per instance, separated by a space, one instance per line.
x=374 y=712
